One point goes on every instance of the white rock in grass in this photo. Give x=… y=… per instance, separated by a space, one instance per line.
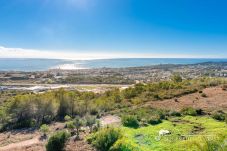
x=164 y=132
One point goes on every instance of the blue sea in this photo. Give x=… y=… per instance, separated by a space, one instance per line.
x=46 y=64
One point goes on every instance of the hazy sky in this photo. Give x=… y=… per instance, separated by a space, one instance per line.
x=136 y=28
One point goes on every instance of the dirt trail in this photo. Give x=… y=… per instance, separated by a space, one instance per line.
x=20 y=144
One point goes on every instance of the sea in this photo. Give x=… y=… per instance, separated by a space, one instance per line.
x=12 y=64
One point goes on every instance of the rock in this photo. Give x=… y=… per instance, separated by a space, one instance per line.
x=164 y=132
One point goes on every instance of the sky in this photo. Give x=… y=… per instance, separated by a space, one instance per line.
x=113 y=28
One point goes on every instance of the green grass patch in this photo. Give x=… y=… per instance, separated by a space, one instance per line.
x=183 y=131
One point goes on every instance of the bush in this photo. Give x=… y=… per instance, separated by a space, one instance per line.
x=154 y=120
x=176 y=78
x=174 y=113
x=130 y=121
x=124 y=144
x=220 y=116
x=203 y=95
x=44 y=129
x=226 y=118
x=105 y=138
x=189 y=111
x=224 y=87
x=57 y=141
x=199 y=112
x=67 y=118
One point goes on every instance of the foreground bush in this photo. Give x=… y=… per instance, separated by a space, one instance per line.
x=154 y=120
x=189 y=111
x=124 y=144
x=219 y=115
x=57 y=141
x=130 y=121
x=105 y=138
x=44 y=129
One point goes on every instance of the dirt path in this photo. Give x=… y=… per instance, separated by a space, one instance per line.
x=20 y=144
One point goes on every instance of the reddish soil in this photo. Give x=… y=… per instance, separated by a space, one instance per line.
x=216 y=100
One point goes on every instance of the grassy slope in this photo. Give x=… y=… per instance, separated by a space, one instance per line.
x=146 y=138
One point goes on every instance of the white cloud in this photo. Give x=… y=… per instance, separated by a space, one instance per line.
x=79 y=55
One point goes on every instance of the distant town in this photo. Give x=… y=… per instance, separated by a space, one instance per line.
x=53 y=79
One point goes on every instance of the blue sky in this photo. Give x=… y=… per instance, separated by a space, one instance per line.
x=187 y=28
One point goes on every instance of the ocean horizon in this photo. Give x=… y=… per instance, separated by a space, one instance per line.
x=20 y=64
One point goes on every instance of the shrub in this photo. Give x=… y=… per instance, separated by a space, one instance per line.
x=154 y=120
x=90 y=121
x=226 y=118
x=78 y=124
x=224 y=87
x=70 y=125
x=105 y=138
x=219 y=115
x=189 y=111
x=174 y=113
x=57 y=141
x=176 y=78
x=67 y=118
x=44 y=129
x=203 y=95
x=130 y=121
x=124 y=144
x=199 y=112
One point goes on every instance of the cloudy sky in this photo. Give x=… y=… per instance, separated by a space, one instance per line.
x=113 y=28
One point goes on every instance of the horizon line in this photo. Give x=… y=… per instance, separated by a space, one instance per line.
x=80 y=55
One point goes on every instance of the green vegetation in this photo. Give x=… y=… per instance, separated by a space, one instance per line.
x=141 y=124
x=44 y=129
x=29 y=110
x=189 y=111
x=187 y=133
x=183 y=130
x=219 y=115
x=105 y=138
x=130 y=121
x=57 y=141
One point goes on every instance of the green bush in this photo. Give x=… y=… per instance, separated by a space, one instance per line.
x=219 y=115
x=174 y=113
x=130 y=121
x=189 y=111
x=67 y=118
x=105 y=138
x=154 y=120
x=44 y=129
x=124 y=144
x=226 y=118
x=57 y=141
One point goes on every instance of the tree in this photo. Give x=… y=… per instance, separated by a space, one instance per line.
x=64 y=105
